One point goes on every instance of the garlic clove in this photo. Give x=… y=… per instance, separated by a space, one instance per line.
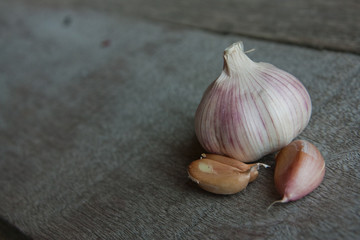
x=217 y=177
x=300 y=168
x=254 y=167
x=252 y=109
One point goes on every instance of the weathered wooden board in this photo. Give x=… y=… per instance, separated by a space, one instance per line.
x=331 y=24
x=96 y=132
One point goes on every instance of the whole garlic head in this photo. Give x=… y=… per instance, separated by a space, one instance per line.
x=252 y=109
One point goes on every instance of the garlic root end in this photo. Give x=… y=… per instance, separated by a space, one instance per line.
x=193 y=179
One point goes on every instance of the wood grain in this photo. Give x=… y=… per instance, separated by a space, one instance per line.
x=8 y=232
x=95 y=140
x=320 y=24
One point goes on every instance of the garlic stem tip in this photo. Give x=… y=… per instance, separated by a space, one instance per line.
x=233 y=47
x=250 y=50
x=277 y=201
x=263 y=164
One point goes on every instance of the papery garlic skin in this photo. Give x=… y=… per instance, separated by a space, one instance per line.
x=217 y=177
x=300 y=168
x=252 y=109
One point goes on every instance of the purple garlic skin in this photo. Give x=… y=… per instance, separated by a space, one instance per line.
x=300 y=168
x=251 y=110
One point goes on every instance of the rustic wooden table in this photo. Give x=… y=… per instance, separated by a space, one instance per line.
x=97 y=102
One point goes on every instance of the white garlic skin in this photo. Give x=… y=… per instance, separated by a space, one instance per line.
x=252 y=109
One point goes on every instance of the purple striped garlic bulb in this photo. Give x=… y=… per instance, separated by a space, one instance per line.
x=252 y=109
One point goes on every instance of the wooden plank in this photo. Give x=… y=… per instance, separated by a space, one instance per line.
x=10 y=232
x=320 y=24
x=95 y=138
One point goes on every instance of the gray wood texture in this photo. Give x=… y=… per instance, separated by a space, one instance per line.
x=321 y=24
x=8 y=231
x=96 y=131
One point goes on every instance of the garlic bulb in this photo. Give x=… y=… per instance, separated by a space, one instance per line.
x=252 y=109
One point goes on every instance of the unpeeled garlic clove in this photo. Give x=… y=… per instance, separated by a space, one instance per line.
x=300 y=168
x=217 y=177
x=222 y=175
x=254 y=167
x=252 y=109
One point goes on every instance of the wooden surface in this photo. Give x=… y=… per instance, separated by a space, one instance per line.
x=331 y=24
x=96 y=131
x=8 y=231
